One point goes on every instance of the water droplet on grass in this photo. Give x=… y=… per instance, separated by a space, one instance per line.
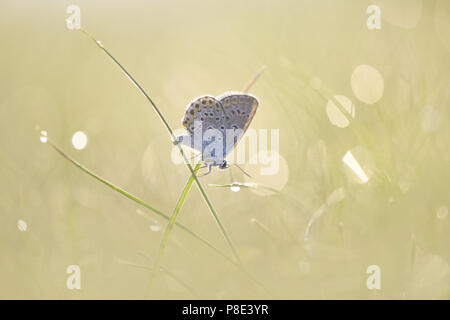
x=235 y=187
x=43 y=136
x=155 y=226
x=22 y=225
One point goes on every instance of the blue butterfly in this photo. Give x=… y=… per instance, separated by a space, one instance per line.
x=215 y=125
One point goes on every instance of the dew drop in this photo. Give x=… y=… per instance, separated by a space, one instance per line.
x=43 y=136
x=22 y=225
x=155 y=226
x=79 y=140
x=235 y=187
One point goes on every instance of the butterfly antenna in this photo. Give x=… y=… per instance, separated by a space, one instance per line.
x=253 y=80
x=243 y=171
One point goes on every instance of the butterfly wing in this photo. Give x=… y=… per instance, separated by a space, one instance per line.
x=233 y=110
x=207 y=111
x=240 y=108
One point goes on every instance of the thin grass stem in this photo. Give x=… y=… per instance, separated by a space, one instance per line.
x=158 y=212
x=253 y=80
x=174 y=140
x=137 y=200
x=170 y=225
x=180 y=204
x=164 y=270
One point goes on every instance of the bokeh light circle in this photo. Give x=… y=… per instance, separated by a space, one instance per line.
x=335 y=115
x=79 y=140
x=367 y=84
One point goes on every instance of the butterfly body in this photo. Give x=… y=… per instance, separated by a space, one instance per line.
x=216 y=124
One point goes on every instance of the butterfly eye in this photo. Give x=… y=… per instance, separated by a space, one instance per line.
x=197 y=106
x=204 y=101
x=238 y=111
x=201 y=118
x=217 y=118
x=192 y=112
x=222 y=127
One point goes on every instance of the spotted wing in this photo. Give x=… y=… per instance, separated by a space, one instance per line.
x=208 y=112
x=240 y=108
x=234 y=110
x=207 y=109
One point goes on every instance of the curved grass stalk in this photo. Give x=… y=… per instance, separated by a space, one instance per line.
x=253 y=80
x=174 y=140
x=261 y=187
x=158 y=212
x=265 y=230
x=180 y=204
x=138 y=200
x=167 y=272
x=170 y=225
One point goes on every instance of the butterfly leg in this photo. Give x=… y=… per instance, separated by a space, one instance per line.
x=209 y=171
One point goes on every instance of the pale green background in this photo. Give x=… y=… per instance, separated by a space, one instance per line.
x=59 y=80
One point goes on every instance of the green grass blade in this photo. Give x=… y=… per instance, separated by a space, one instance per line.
x=170 y=225
x=174 y=140
x=167 y=272
x=158 y=212
x=138 y=200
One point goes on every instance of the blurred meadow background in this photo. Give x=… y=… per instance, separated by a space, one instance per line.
x=320 y=59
